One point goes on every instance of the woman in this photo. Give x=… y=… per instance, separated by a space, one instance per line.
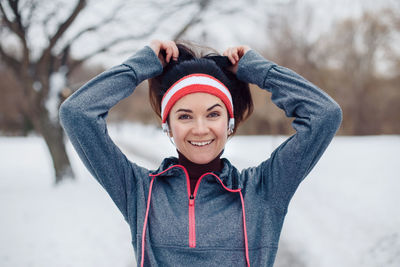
x=198 y=209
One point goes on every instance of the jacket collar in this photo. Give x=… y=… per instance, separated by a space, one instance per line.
x=229 y=175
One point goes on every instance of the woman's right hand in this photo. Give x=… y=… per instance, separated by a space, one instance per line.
x=170 y=48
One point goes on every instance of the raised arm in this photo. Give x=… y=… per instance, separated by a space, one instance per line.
x=317 y=118
x=83 y=115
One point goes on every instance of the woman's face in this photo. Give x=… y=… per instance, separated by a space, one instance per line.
x=199 y=126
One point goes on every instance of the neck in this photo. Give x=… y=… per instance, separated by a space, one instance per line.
x=196 y=170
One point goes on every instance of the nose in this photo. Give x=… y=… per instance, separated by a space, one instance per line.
x=200 y=127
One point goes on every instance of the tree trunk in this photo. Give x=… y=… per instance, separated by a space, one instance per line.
x=54 y=137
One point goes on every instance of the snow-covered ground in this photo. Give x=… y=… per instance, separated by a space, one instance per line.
x=344 y=214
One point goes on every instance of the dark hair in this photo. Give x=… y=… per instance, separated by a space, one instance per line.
x=196 y=59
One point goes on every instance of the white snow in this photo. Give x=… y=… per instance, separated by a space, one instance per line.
x=344 y=214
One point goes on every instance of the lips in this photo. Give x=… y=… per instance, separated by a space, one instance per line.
x=201 y=143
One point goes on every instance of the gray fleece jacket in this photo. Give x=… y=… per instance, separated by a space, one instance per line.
x=234 y=217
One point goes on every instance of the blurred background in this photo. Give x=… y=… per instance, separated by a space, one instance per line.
x=48 y=49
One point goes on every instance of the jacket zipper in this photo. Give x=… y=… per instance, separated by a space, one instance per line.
x=192 y=217
x=192 y=223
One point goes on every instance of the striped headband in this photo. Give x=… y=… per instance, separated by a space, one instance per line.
x=196 y=83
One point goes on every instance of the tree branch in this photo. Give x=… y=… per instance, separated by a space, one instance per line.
x=18 y=20
x=203 y=5
x=49 y=16
x=10 y=61
x=32 y=8
x=61 y=30
x=64 y=26
x=92 y=28
x=12 y=25
x=109 y=45
x=16 y=26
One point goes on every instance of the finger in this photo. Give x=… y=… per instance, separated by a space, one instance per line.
x=175 y=51
x=169 y=53
x=226 y=53
x=236 y=54
x=231 y=56
x=172 y=50
x=243 y=50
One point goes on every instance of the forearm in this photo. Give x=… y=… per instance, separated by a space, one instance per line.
x=83 y=114
x=317 y=118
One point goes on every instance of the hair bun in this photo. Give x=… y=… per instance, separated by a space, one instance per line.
x=222 y=61
x=184 y=54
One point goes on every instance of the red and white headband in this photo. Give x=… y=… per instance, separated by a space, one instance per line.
x=196 y=83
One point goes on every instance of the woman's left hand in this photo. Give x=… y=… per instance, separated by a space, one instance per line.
x=235 y=54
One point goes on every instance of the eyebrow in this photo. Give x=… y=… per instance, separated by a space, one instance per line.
x=216 y=105
x=190 y=111
x=184 y=110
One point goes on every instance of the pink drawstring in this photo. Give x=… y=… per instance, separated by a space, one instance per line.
x=226 y=188
x=145 y=220
x=246 y=244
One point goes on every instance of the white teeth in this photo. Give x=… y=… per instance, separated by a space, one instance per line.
x=201 y=143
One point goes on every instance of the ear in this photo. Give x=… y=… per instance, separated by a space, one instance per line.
x=231 y=126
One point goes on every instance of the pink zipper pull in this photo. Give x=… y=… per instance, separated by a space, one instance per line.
x=191 y=200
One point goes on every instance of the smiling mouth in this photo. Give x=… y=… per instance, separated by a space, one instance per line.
x=200 y=144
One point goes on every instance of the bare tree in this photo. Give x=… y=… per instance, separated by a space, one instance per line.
x=356 y=62
x=355 y=47
x=43 y=76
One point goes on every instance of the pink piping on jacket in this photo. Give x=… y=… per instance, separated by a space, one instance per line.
x=145 y=219
x=192 y=233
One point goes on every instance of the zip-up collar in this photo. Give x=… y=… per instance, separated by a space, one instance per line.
x=195 y=170
x=229 y=175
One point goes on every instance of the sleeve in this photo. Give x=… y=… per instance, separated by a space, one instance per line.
x=317 y=118
x=83 y=115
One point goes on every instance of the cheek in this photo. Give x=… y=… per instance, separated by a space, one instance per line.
x=177 y=131
x=222 y=130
